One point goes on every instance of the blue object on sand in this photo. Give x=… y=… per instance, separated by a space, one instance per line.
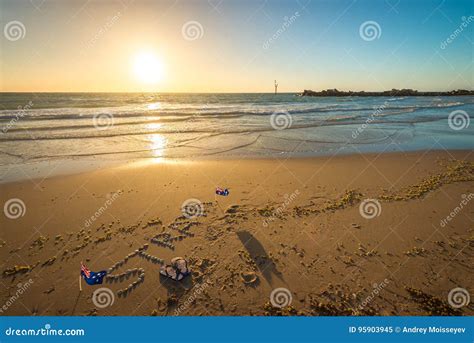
x=223 y=192
x=92 y=278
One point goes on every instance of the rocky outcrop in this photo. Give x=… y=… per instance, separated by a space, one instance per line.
x=393 y=92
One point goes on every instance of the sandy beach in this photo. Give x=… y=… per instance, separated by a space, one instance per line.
x=373 y=234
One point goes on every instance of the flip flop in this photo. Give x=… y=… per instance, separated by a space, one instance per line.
x=171 y=273
x=178 y=269
x=181 y=265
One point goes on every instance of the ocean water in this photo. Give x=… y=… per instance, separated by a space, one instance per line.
x=46 y=127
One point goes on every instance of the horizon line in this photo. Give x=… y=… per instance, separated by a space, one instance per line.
x=222 y=92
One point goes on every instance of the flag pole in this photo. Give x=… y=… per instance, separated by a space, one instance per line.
x=217 y=202
x=80 y=283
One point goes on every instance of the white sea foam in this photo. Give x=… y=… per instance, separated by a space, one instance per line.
x=62 y=126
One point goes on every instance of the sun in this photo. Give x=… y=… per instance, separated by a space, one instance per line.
x=148 y=68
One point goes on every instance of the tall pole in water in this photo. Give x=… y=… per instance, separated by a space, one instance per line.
x=276 y=86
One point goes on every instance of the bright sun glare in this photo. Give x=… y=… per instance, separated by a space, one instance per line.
x=148 y=68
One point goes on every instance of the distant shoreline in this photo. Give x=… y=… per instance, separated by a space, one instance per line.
x=393 y=92
x=306 y=92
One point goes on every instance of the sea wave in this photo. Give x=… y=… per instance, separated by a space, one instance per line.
x=206 y=112
x=62 y=125
x=93 y=134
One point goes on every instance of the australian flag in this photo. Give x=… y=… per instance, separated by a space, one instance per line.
x=92 y=278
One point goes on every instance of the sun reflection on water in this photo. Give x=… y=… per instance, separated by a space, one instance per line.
x=154 y=106
x=153 y=126
x=157 y=142
x=157 y=146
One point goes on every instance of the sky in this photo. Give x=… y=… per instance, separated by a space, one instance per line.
x=235 y=45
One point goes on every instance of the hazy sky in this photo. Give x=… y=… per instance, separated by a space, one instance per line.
x=235 y=46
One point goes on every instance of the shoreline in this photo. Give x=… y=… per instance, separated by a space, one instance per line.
x=298 y=224
x=39 y=142
x=77 y=166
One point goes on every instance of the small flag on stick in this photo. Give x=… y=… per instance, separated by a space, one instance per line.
x=223 y=192
x=92 y=278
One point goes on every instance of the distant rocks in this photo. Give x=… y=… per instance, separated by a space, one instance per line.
x=393 y=92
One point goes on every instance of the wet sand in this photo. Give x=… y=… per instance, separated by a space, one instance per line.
x=387 y=234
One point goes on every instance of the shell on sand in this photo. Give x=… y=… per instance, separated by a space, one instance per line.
x=248 y=277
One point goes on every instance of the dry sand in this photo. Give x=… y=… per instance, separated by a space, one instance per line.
x=293 y=224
